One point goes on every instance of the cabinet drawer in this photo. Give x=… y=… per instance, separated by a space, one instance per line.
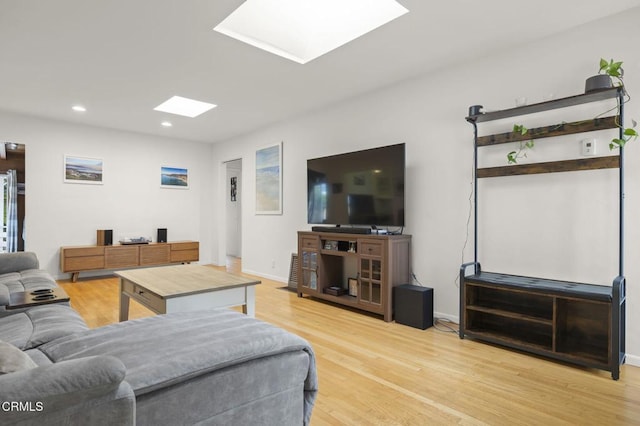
x=186 y=245
x=369 y=248
x=83 y=251
x=154 y=254
x=120 y=257
x=144 y=296
x=85 y=263
x=309 y=243
x=185 y=255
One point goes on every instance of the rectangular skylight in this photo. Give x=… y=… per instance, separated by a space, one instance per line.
x=184 y=106
x=302 y=30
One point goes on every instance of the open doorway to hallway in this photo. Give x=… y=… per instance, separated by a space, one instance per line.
x=12 y=205
x=233 y=206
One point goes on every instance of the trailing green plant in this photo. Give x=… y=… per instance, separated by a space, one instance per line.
x=513 y=156
x=628 y=134
x=614 y=70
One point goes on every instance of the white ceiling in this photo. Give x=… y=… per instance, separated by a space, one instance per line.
x=121 y=58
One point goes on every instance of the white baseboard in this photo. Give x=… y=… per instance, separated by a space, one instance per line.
x=633 y=360
x=452 y=318
x=267 y=276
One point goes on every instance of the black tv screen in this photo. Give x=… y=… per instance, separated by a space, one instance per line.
x=357 y=188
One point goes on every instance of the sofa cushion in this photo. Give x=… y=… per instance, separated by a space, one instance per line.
x=86 y=391
x=13 y=359
x=4 y=295
x=27 y=280
x=164 y=350
x=18 y=261
x=38 y=357
x=40 y=324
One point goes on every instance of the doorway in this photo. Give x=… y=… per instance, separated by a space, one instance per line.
x=233 y=207
x=12 y=205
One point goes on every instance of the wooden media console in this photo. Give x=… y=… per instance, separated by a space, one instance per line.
x=94 y=258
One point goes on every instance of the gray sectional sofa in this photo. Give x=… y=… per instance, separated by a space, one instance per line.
x=19 y=272
x=207 y=367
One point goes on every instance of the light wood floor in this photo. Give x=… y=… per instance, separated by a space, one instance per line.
x=377 y=373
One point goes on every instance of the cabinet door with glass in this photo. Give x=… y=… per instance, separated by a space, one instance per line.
x=309 y=264
x=370 y=273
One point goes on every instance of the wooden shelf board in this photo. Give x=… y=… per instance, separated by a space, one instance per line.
x=508 y=340
x=509 y=314
x=586 y=359
x=584 y=98
x=591 y=358
x=551 y=131
x=337 y=253
x=608 y=162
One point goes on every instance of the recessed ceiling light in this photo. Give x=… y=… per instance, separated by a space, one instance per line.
x=78 y=108
x=184 y=106
x=302 y=30
x=166 y=124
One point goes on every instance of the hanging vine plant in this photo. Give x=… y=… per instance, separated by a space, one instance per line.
x=513 y=156
x=610 y=74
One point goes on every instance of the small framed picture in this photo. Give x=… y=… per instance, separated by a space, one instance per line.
x=174 y=177
x=82 y=170
x=353 y=287
x=234 y=188
x=269 y=180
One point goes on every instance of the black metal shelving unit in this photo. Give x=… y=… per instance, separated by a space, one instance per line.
x=573 y=322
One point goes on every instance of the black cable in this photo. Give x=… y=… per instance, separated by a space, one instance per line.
x=443 y=325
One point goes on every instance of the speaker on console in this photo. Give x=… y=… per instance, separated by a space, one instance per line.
x=162 y=235
x=413 y=306
x=105 y=237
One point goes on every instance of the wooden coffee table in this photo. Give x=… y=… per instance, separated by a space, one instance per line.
x=182 y=288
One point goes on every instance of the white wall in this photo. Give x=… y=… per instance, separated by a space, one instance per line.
x=574 y=224
x=130 y=201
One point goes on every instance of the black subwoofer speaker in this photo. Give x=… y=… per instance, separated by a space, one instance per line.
x=413 y=305
x=162 y=235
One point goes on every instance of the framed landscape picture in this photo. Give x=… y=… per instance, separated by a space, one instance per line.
x=83 y=170
x=269 y=180
x=174 y=177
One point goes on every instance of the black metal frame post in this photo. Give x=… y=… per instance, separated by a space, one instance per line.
x=621 y=184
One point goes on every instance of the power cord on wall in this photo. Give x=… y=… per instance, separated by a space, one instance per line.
x=456 y=281
x=415 y=279
x=443 y=325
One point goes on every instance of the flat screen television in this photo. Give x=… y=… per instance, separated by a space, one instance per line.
x=357 y=188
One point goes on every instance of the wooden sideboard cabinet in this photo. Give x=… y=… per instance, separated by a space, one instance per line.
x=374 y=264
x=93 y=258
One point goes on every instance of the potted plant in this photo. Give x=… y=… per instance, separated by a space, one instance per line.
x=610 y=73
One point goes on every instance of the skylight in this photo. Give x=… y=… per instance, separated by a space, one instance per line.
x=184 y=106
x=302 y=30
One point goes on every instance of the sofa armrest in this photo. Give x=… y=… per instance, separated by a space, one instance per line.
x=87 y=389
x=18 y=261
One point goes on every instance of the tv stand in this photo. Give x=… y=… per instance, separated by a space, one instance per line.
x=341 y=230
x=352 y=269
